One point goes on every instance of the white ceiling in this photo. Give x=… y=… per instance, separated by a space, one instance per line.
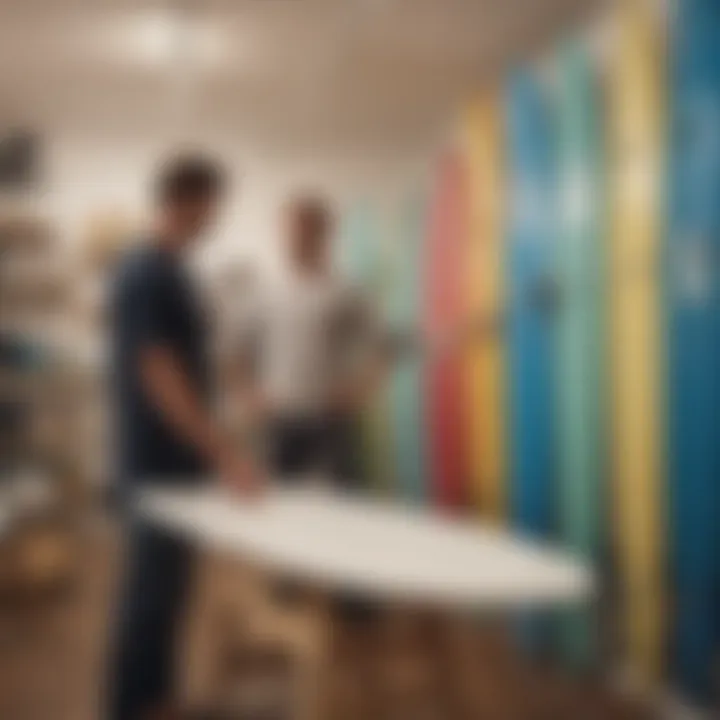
x=285 y=76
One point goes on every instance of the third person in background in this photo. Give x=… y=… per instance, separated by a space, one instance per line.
x=311 y=351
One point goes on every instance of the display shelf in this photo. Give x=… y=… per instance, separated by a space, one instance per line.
x=40 y=386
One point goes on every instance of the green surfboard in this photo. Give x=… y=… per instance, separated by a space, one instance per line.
x=364 y=259
x=379 y=417
x=406 y=382
x=580 y=272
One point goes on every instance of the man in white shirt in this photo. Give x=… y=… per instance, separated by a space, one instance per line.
x=312 y=341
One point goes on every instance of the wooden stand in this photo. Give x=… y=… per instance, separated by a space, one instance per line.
x=405 y=663
x=238 y=612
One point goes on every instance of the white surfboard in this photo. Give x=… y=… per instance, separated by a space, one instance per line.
x=383 y=551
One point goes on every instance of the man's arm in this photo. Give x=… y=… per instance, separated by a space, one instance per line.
x=360 y=386
x=155 y=295
x=168 y=387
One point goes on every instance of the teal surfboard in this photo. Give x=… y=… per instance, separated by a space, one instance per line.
x=580 y=273
x=363 y=258
x=693 y=294
x=404 y=318
x=355 y=252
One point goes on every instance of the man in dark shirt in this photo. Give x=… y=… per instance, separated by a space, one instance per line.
x=165 y=432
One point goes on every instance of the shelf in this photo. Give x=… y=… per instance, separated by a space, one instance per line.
x=24 y=234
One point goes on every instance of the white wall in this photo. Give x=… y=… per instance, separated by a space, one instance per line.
x=90 y=176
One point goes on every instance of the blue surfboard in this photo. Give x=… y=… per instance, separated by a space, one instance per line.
x=530 y=337
x=693 y=292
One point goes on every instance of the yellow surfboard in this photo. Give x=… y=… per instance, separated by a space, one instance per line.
x=635 y=181
x=482 y=141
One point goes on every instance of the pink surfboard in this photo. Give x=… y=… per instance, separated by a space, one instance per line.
x=444 y=299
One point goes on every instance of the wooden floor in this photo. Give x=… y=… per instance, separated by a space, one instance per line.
x=52 y=653
x=52 y=648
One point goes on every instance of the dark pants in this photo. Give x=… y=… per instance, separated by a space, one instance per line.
x=154 y=590
x=326 y=444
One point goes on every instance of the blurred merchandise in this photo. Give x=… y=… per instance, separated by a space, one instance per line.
x=19 y=160
x=23 y=233
x=107 y=234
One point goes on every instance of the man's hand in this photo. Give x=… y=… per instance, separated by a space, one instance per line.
x=241 y=475
x=345 y=399
x=352 y=395
x=258 y=405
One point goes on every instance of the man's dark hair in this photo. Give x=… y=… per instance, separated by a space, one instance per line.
x=189 y=177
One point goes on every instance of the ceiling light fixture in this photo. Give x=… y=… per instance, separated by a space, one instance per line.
x=166 y=37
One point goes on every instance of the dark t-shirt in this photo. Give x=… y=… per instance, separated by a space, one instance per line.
x=154 y=304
